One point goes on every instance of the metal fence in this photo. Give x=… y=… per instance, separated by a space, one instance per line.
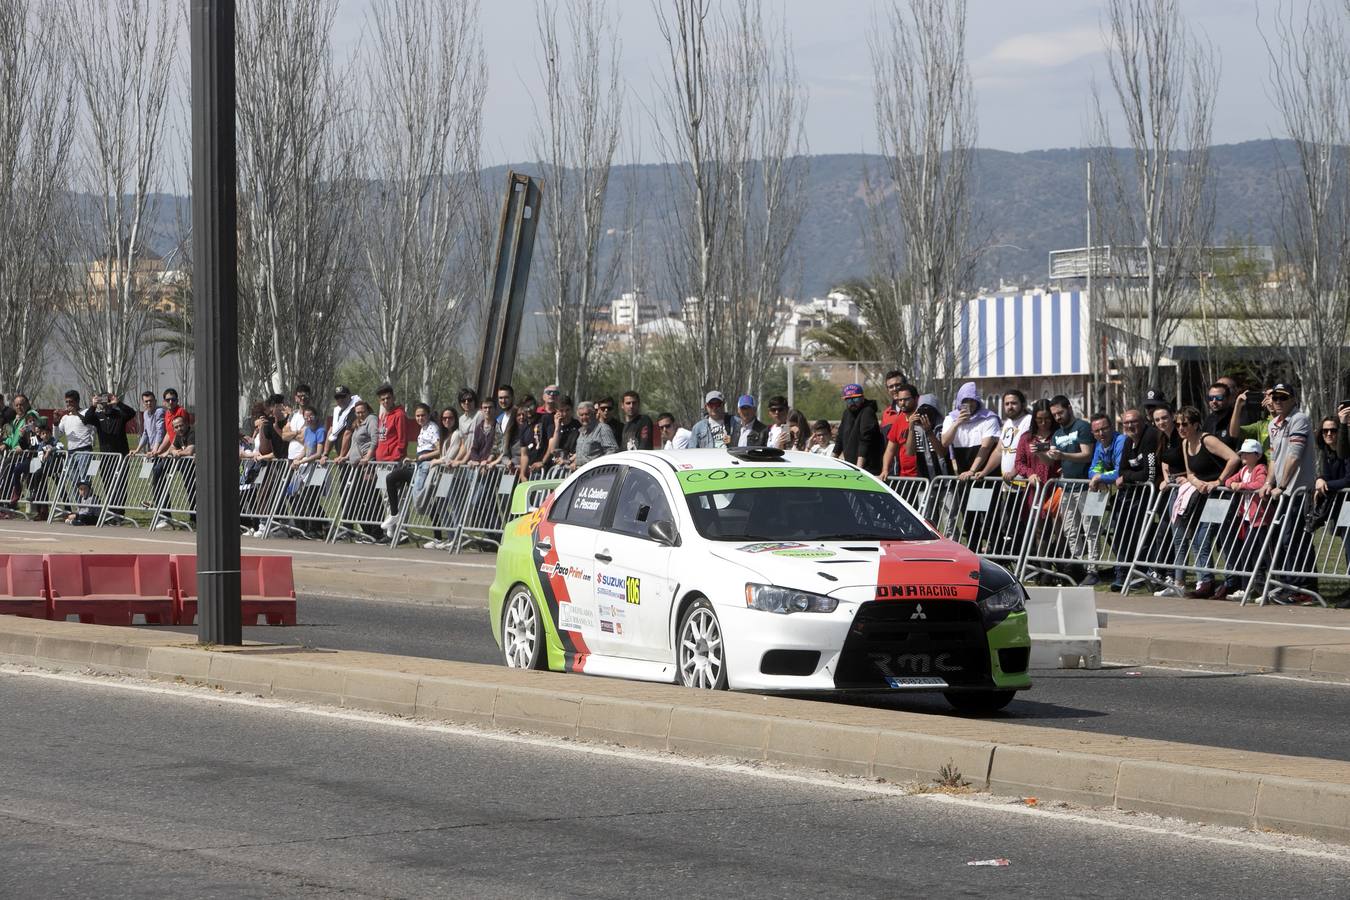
x=1260 y=548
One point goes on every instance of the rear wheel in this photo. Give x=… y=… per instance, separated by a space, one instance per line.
x=699 y=648
x=522 y=630
x=979 y=702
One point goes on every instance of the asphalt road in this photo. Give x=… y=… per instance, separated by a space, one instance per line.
x=113 y=793
x=1249 y=712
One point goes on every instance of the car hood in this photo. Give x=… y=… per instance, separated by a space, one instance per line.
x=862 y=570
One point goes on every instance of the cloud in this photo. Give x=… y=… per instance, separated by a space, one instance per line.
x=1045 y=49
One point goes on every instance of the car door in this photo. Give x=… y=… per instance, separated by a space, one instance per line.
x=632 y=577
x=565 y=550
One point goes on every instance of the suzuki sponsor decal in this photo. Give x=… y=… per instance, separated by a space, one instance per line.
x=620 y=587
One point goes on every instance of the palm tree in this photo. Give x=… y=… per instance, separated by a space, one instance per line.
x=880 y=341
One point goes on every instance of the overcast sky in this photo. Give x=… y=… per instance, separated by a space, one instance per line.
x=1033 y=63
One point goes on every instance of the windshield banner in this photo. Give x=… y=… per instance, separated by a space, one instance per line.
x=700 y=481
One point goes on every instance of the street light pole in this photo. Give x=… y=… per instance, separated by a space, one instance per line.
x=215 y=320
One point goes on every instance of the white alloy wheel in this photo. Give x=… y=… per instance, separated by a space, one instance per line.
x=701 y=653
x=522 y=631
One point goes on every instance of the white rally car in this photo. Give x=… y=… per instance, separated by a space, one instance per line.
x=752 y=569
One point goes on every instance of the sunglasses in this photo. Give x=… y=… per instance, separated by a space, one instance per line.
x=1216 y=398
x=666 y=426
x=546 y=393
x=893 y=387
x=1281 y=397
x=445 y=417
x=1328 y=430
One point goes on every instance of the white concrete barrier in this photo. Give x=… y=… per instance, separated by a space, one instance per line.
x=1063 y=626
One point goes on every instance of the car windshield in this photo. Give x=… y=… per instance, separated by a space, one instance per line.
x=804 y=514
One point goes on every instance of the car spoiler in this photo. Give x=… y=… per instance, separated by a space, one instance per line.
x=530 y=495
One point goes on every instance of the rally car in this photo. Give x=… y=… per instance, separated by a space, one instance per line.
x=752 y=569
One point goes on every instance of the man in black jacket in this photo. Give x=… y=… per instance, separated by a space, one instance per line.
x=753 y=432
x=1140 y=473
x=110 y=416
x=1219 y=413
x=859 y=438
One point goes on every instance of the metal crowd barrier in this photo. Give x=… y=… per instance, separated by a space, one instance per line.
x=177 y=494
x=1224 y=535
x=988 y=515
x=64 y=474
x=261 y=482
x=913 y=491
x=307 y=500
x=1073 y=526
x=365 y=503
x=1312 y=545
x=430 y=516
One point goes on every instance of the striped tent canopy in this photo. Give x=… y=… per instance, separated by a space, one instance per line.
x=1022 y=335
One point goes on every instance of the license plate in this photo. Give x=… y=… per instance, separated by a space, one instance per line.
x=902 y=683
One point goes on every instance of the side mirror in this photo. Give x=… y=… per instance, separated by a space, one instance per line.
x=663 y=530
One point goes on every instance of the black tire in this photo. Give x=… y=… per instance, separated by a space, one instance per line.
x=700 y=650
x=980 y=703
x=522 y=630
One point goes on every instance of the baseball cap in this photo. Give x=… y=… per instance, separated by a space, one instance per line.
x=1282 y=387
x=341 y=391
x=746 y=400
x=711 y=396
x=1250 y=445
x=1154 y=398
x=852 y=390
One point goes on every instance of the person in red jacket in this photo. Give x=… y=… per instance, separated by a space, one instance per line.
x=392 y=446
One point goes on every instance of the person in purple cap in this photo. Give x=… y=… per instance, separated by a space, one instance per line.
x=753 y=432
x=859 y=437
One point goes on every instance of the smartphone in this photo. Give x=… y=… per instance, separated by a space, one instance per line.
x=1342 y=405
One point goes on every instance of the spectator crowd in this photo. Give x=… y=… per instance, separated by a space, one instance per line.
x=1255 y=442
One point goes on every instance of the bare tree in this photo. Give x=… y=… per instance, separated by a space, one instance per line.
x=1153 y=200
x=1310 y=84
x=732 y=111
x=122 y=52
x=583 y=106
x=297 y=192
x=425 y=104
x=926 y=127
x=37 y=121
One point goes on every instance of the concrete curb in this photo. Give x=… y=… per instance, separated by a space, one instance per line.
x=1311 y=658
x=1290 y=794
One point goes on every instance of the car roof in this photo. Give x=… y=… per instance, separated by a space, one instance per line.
x=686 y=460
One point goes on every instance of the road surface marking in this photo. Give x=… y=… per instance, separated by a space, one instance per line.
x=1144 y=615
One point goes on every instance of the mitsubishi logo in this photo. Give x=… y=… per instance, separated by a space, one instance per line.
x=918 y=613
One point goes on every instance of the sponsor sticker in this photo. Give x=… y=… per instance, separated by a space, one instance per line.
x=807 y=553
x=915 y=682
x=613 y=611
x=698 y=480
x=606 y=626
x=917 y=592
x=563 y=571
x=770 y=546
x=633 y=590
x=573 y=618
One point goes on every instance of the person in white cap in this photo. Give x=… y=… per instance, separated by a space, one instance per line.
x=1256 y=514
x=717 y=428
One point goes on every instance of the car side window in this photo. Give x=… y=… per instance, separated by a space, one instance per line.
x=585 y=500
x=641 y=501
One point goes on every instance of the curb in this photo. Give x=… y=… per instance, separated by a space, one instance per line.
x=1312 y=659
x=1251 y=790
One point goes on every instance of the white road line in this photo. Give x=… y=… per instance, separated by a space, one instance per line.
x=1000 y=805
x=1144 y=615
x=284 y=550
x=1297 y=679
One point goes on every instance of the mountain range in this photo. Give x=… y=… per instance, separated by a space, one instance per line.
x=1026 y=204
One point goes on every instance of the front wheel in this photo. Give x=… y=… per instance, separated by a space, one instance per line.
x=701 y=653
x=979 y=702
x=522 y=630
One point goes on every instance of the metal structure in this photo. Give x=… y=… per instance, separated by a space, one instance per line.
x=215 y=281
x=511 y=276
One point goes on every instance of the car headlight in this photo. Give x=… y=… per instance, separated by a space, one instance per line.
x=768 y=598
x=1010 y=598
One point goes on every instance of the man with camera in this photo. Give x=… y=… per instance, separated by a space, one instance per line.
x=110 y=417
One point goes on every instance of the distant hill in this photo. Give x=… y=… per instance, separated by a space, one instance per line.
x=1033 y=201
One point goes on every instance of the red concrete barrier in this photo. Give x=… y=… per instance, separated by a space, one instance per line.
x=23 y=585
x=267 y=588
x=106 y=589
